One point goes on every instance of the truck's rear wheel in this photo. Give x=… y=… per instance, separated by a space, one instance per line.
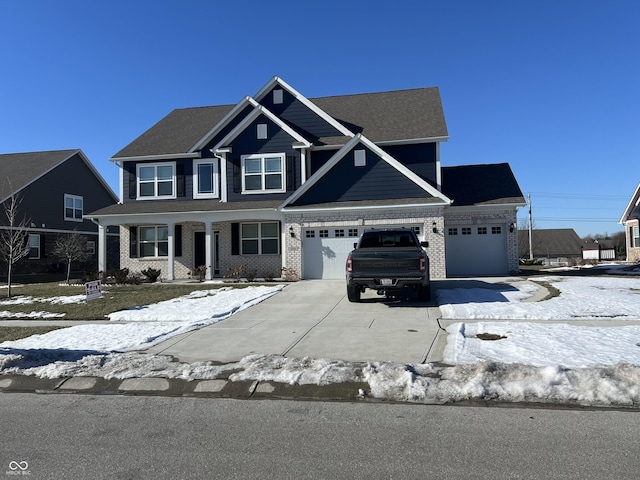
x=424 y=293
x=353 y=293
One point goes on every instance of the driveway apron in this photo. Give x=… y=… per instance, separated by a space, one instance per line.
x=313 y=318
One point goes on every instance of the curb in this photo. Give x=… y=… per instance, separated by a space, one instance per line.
x=172 y=387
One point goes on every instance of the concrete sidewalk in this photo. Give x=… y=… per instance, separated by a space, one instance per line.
x=313 y=318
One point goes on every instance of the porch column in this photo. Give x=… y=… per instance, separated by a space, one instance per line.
x=102 y=248
x=208 y=250
x=171 y=253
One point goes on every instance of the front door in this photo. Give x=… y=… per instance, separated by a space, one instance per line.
x=199 y=250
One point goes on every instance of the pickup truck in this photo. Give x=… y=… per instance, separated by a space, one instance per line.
x=388 y=260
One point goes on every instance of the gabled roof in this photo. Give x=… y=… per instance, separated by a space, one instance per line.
x=19 y=170
x=400 y=116
x=488 y=184
x=430 y=191
x=395 y=116
x=633 y=208
x=271 y=84
x=255 y=113
x=550 y=243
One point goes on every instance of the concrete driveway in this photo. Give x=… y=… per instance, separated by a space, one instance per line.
x=314 y=318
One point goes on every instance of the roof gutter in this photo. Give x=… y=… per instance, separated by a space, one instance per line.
x=167 y=156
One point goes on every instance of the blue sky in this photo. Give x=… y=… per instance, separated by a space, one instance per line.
x=551 y=86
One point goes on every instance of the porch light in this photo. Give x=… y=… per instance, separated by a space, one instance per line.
x=291 y=232
x=435 y=228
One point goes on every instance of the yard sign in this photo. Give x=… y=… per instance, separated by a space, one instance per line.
x=93 y=289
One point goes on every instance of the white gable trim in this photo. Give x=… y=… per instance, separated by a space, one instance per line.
x=257 y=111
x=308 y=103
x=635 y=200
x=225 y=121
x=359 y=138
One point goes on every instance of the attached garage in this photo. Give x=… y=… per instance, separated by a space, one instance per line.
x=476 y=250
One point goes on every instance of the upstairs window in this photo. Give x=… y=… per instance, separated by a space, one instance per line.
x=157 y=180
x=206 y=179
x=263 y=173
x=73 y=208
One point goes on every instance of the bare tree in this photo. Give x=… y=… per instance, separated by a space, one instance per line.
x=71 y=248
x=13 y=238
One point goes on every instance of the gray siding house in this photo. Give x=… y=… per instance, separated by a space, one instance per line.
x=55 y=189
x=279 y=180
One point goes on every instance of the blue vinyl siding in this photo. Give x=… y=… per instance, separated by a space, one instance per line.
x=224 y=131
x=247 y=143
x=319 y=158
x=419 y=158
x=376 y=181
x=300 y=117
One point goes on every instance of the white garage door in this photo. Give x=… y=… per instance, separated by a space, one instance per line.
x=325 y=250
x=476 y=250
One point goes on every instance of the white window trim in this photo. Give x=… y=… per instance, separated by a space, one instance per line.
x=262 y=157
x=259 y=238
x=156 y=196
x=74 y=198
x=216 y=179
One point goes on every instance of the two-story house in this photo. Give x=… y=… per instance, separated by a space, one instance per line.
x=282 y=181
x=53 y=190
x=631 y=221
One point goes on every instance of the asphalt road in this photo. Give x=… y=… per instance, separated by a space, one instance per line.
x=128 y=437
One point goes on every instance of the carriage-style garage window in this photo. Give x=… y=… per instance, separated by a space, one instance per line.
x=156 y=180
x=263 y=173
x=73 y=207
x=260 y=238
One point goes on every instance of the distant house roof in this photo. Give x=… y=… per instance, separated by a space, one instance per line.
x=395 y=116
x=18 y=170
x=550 y=243
x=489 y=184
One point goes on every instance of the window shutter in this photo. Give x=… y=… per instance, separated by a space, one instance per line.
x=235 y=239
x=291 y=173
x=177 y=240
x=42 y=244
x=133 y=242
x=237 y=176
x=131 y=168
x=180 y=187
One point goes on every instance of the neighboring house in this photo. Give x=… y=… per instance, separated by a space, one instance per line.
x=555 y=246
x=598 y=250
x=631 y=226
x=282 y=181
x=55 y=189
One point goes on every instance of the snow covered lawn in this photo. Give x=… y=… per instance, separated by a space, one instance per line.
x=515 y=360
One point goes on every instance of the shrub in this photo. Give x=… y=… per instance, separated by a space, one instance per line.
x=290 y=275
x=250 y=275
x=151 y=274
x=268 y=276
x=198 y=273
x=235 y=272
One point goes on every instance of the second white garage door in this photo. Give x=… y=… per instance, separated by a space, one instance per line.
x=476 y=250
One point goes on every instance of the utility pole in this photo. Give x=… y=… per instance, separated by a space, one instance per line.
x=530 y=231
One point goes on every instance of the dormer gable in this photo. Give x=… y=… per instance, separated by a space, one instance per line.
x=299 y=112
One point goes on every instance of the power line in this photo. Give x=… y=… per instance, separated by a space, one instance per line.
x=579 y=195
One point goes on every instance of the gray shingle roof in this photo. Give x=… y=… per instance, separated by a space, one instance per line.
x=17 y=170
x=488 y=184
x=381 y=117
x=550 y=243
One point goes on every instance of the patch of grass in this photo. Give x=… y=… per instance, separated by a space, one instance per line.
x=8 y=334
x=114 y=298
x=489 y=336
x=553 y=291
